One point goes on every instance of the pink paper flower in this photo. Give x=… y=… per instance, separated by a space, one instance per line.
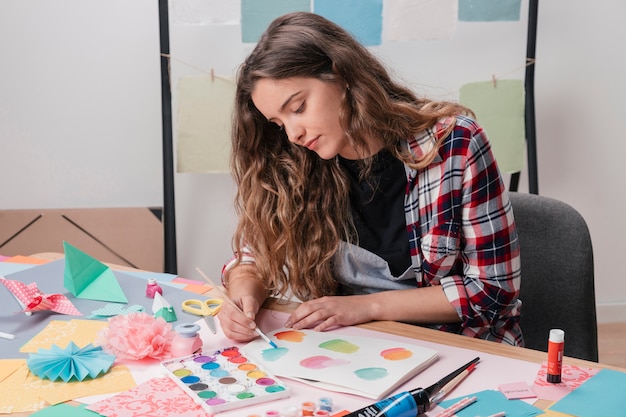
x=137 y=336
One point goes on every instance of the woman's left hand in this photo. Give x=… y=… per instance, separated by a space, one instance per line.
x=327 y=312
x=415 y=305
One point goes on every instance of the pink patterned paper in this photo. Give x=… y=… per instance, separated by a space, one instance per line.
x=571 y=378
x=34 y=300
x=157 y=397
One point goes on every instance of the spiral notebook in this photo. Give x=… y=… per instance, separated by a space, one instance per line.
x=368 y=367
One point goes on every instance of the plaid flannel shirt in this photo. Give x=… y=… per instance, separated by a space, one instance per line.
x=462 y=233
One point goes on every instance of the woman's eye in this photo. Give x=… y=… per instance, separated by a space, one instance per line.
x=300 y=109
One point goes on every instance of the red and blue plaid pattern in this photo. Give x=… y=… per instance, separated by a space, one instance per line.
x=462 y=233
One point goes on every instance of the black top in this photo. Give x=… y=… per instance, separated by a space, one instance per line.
x=377 y=204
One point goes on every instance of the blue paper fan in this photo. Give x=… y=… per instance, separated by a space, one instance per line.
x=70 y=363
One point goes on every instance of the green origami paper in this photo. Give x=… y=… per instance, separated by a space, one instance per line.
x=114 y=309
x=88 y=278
x=162 y=308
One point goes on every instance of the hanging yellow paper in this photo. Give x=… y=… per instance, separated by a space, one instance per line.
x=205 y=106
x=499 y=109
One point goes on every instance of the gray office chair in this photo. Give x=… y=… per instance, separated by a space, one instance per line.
x=557 y=289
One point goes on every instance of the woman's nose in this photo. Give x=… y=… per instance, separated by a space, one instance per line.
x=294 y=132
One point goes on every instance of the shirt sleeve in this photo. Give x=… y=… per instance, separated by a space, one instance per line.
x=246 y=258
x=484 y=284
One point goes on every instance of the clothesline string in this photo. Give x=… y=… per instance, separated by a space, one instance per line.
x=210 y=72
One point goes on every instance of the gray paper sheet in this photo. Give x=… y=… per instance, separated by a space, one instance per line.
x=49 y=279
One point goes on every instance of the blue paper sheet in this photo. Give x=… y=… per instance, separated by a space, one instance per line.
x=600 y=395
x=490 y=402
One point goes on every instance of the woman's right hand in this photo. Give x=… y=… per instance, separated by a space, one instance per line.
x=238 y=325
x=248 y=293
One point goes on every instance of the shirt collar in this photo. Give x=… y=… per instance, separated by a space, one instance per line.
x=423 y=143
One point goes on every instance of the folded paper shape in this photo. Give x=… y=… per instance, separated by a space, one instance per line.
x=86 y=277
x=71 y=363
x=114 y=309
x=161 y=308
x=31 y=298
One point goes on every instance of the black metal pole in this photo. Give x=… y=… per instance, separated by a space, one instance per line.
x=169 y=212
x=531 y=132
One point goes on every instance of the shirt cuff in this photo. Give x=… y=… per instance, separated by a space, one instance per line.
x=245 y=259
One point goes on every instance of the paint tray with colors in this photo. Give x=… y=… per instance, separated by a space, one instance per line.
x=224 y=379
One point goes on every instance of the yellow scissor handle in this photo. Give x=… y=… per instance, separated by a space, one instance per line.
x=208 y=307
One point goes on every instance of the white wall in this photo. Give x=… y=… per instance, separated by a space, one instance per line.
x=80 y=109
x=580 y=86
x=80 y=116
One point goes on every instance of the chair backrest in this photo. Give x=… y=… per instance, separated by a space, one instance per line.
x=557 y=289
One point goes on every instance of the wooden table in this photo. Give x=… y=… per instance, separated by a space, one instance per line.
x=421 y=333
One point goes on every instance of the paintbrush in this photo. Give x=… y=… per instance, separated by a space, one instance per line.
x=231 y=302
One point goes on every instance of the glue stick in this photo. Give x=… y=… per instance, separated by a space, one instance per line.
x=556 y=342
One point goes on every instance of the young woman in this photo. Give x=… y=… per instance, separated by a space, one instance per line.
x=362 y=199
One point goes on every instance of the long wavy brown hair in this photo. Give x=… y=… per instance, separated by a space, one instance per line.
x=293 y=206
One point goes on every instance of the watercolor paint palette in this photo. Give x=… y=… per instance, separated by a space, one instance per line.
x=224 y=379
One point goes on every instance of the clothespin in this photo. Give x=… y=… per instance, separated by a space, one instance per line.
x=212 y=75
x=493 y=80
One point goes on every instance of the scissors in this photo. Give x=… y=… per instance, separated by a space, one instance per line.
x=207 y=309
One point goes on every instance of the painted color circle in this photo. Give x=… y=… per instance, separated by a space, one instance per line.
x=231 y=353
x=238 y=359
x=198 y=387
x=247 y=367
x=396 y=354
x=256 y=374
x=204 y=359
x=274 y=388
x=290 y=336
x=207 y=394
x=371 y=374
x=215 y=401
x=182 y=372
x=236 y=388
x=339 y=345
x=219 y=373
x=245 y=395
x=265 y=381
x=175 y=366
x=190 y=379
x=227 y=380
x=209 y=366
